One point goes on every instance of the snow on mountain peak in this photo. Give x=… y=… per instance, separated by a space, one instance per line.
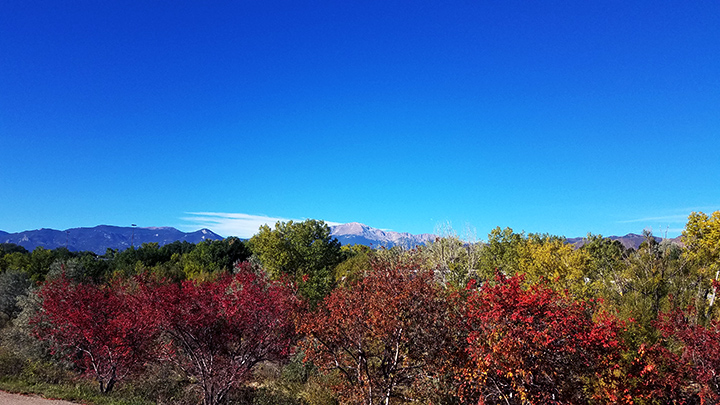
x=355 y=232
x=351 y=228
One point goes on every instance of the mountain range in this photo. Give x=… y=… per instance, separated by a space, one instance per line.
x=98 y=239
x=354 y=233
x=629 y=241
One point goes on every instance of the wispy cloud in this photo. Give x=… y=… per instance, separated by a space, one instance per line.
x=672 y=219
x=233 y=224
x=230 y=224
x=667 y=225
x=674 y=230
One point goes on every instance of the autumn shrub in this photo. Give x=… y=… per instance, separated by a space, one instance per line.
x=104 y=329
x=694 y=350
x=218 y=331
x=378 y=336
x=534 y=345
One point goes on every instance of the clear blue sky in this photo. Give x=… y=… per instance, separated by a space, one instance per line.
x=565 y=117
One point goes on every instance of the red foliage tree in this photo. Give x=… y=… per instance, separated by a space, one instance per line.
x=654 y=375
x=695 y=353
x=103 y=329
x=218 y=330
x=380 y=334
x=534 y=346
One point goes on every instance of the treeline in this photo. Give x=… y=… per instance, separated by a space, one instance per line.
x=292 y=317
x=176 y=261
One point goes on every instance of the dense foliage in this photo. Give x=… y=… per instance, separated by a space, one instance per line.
x=535 y=345
x=293 y=318
x=380 y=334
x=105 y=329
x=217 y=331
x=304 y=251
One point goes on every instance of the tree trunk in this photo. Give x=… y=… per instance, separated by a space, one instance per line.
x=106 y=388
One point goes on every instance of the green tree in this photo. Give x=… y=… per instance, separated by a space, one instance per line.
x=702 y=239
x=13 y=284
x=453 y=260
x=211 y=257
x=70 y=268
x=355 y=266
x=15 y=261
x=607 y=261
x=40 y=261
x=501 y=254
x=653 y=279
x=6 y=248
x=177 y=247
x=304 y=251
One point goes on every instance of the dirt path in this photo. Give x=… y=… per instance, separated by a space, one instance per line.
x=7 y=398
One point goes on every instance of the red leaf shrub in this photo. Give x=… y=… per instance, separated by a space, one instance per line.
x=104 y=329
x=695 y=351
x=379 y=334
x=218 y=330
x=534 y=346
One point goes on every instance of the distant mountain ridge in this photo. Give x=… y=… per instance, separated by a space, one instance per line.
x=629 y=241
x=99 y=238
x=355 y=233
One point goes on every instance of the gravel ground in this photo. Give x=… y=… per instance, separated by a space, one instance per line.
x=7 y=398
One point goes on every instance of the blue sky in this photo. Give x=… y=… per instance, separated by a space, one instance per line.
x=565 y=117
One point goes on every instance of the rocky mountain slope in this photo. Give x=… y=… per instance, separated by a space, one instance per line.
x=356 y=233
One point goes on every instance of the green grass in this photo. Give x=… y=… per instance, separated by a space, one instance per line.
x=81 y=392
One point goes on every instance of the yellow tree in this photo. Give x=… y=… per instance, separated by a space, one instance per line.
x=539 y=257
x=701 y=238
x=552 y=259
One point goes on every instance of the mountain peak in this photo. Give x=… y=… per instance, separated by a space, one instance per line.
x=350 y=228
x=361 y=234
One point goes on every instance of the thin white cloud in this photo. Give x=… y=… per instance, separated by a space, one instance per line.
x=680 y=218
x=673 y=219
x=668 y=225
x=233 y=224
x=674 y=230
x=230 y=224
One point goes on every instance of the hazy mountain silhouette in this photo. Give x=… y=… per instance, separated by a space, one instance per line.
x=98 y=239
